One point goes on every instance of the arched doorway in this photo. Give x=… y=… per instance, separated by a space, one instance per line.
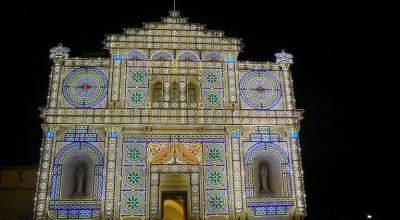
x=175 y=171
x=175 y=196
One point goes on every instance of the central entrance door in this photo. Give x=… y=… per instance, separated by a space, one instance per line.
x=174 y=205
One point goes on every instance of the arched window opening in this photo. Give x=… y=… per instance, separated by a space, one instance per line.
x=174 y=91
x=157 y=92
x=191 y=92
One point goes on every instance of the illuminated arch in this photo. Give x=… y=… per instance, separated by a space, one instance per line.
x=213 y=57
x=135 y=55
x=264 y=134
x=162 y=55
x=248 y=167
x=81 y=133
x=187 y=56
x=58 y=166
x=184 y=175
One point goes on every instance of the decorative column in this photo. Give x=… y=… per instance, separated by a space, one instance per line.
x=117 y=66
x=113 y=134
x=41 y=198
x=153 y=207
x=167 y=87
x=237 y=175
x=150 y=91
x=231 y=79
x=292 y=132
x=182 y=90
x=284 y=60
x=199 y=92
x=58 y=55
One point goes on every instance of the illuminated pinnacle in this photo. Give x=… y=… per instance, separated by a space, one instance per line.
x=59 y=53
x=284 y=59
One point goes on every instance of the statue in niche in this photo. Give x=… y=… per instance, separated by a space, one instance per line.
x=80 y=177
x=264 y=179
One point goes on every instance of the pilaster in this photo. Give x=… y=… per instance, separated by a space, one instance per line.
x=167 y=87
x=117 y=67
x=113 y=140
x=292 y=133
x=183 y=89
x=41 y=198
x=235 y=154
x=232 y=79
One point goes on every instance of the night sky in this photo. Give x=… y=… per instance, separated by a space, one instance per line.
x=344 y=77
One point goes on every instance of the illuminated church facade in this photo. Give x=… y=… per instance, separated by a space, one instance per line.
x=171 y=126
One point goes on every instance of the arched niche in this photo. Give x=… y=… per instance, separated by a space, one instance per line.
x=278 y=162
x=67 y=162
x=267 y=168
x=78 y=176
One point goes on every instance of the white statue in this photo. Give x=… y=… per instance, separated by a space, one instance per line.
x=264 y=178
x=80 y=174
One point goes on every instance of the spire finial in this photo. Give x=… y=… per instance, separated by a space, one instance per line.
x=284 y=59
x=174 y=5
x=59 y=53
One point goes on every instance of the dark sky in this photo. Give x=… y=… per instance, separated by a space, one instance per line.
x=344 y=77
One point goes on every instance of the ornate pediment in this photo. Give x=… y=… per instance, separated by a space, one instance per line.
x=175 y=153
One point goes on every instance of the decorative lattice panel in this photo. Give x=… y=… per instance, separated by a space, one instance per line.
x=133 y=182
x=212 y=78
x=215 y=179
x=213 y=99
x=136 y=87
